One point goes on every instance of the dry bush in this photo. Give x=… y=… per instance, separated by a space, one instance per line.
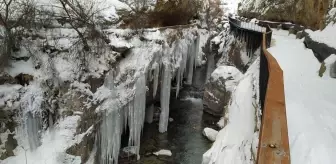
x=82 y=16
x=176 y=12
x=165 y=13
x=15 y=17
x=212 y=12
x=173 y=36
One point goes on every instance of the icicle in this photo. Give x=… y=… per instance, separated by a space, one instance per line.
x=125 y=117
x=110 y=136
x=33 y=123
x=164 y=98
x=137 y=113
x=150 y=114
x=184 y=60
x=196 y=50
x=113 y=121
x=156 y=78
x=178 y=76
x=191 y=62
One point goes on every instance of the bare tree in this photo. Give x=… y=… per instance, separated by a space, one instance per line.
x=82 y=19
x=15 y=16
x=212 y=11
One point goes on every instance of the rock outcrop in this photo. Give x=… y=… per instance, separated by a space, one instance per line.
x=219 y=88
x=321 y=50
x=305 y=12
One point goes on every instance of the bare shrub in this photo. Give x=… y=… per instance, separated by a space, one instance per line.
x=15 y=17
x=164 y=13
x=82 y=16
x=176 y=12
x=212 y=12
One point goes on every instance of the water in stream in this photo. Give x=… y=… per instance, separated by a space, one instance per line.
x=184 y=136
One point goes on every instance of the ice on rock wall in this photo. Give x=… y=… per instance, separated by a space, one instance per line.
x=164 y=99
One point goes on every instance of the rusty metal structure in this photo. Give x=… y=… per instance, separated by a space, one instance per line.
x=273 y=144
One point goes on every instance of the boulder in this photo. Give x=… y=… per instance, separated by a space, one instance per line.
x=305 y=12
x=211 y=134
x=321 y=50
x=300 y=34
x=218 y=89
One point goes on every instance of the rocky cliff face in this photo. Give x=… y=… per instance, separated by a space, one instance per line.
x=310 y=13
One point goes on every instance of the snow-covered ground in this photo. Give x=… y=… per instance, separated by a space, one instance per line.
x=310 y=102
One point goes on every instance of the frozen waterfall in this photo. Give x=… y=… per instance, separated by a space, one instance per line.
x=31 y=106
x=116 y=118
x=33 y=123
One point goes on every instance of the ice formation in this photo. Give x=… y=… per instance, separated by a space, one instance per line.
x=178 y=62
x=165 y=97
x=156 y=77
